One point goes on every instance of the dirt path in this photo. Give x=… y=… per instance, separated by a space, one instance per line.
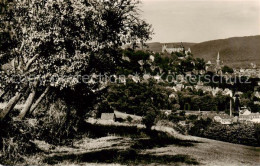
x=211 y=152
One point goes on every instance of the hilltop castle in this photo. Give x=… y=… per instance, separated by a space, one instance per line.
x=176 y=48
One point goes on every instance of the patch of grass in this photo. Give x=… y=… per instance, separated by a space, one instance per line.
x=132 y=155
x=129 y=156
x=97 y=131
x=15 y=141
x=161 y=142
x=255 y=149
x=160 y=139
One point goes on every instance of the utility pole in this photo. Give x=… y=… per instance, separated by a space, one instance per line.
x=230 y=112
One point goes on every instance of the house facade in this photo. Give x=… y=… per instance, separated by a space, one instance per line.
x=253 y=118
x=108 y=116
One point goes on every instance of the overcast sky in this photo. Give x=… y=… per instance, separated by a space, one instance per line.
x=198 y=21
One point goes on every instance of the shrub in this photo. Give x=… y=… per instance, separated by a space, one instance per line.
x=176 y=118
x=247 y=134
x=200 y=126
x=15 y=141
x=182 y=113
x=149 y=119
x=129 y=119
x=58 y=123
x=192 y=117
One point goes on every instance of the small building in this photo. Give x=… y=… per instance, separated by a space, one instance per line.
x=126 y=58
x=217 y=119
x=257 y=94
x=172 y=95
x=188 y=73
x=209 y=63
x=244 y=111
x=141 y=62
x=253 y=118
x=178 y=87
x=226 y=121
x=135 y=78
x=223 y=119
x=189 y=87
x=152 y=58
x=108 y=117
x=166 y=112
x=227 y=92
x=257 y=102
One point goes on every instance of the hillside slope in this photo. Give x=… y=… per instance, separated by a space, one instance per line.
x=236 y=52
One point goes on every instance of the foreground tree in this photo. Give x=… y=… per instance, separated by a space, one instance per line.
x=58 y=40
x=149 y=118
x=227 y=69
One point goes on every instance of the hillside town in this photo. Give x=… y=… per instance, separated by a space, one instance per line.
x=235 y=113
x=245 y=115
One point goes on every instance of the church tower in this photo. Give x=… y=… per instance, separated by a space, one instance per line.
x=218 y=65
x=218 y=60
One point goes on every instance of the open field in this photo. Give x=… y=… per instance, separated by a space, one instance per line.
x=118 y=150
x=207 y=152
x=212 y=152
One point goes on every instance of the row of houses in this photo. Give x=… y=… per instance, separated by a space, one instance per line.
x=245 y=116
x=254 y=72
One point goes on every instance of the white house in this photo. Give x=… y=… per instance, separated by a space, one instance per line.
x=227 y=92
x=244 y=111
x=136 y=79
x=257 y=102
x=146 y=76
x=223 y=119
x=108 y=116
x=246 y=116
x=257 y=94
x=166 y=112
x=172 y=95
x=215 y=91
x=151 y=58
x=253 y=118
x=179 y=87
x=126 y=58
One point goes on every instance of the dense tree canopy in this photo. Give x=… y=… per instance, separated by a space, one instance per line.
x=54 y=42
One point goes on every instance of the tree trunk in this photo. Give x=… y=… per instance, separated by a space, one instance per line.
x=5 y=91
x=27 y=104
x=34 y=106
x=29 y=63
x=10 y=105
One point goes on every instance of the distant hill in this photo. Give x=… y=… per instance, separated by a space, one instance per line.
x=235 y=52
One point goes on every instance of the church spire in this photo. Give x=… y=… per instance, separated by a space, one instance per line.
x=218 y=60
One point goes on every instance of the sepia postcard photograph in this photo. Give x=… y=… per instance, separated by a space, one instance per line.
x=129 y=82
